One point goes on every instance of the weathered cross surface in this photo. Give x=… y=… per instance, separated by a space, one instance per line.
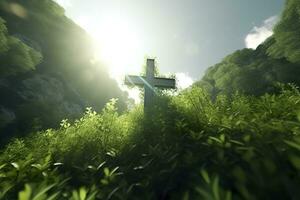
x=149 y=83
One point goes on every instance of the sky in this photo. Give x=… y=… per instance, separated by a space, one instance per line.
x=184 y=36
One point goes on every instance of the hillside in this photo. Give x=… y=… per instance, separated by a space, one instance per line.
x=46 y=69
x=235 y=148
x=257 y=71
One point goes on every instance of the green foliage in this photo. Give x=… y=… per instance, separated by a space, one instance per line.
x=3 y=37
x=46 y=69
x=16 y=57
x=188 y=147
x=286 y=34
x=256 y=72
x=251 y=72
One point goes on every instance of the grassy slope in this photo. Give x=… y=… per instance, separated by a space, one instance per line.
x=239 y=148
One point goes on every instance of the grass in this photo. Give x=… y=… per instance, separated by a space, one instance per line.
x=238 y=147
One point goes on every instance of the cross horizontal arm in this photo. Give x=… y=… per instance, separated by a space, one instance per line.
x=164 y=82
x=135 y=80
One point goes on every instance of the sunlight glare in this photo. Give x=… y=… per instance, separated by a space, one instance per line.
x=118 y=46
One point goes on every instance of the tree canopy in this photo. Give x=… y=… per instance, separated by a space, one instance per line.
x=16 y=56
x=258 y=71
x=286 y=34
x=46 y=73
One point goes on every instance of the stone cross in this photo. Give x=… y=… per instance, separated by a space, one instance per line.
x=149 y=83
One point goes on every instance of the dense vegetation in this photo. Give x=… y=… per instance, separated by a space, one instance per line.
x=255 y=71
x=241 y=147
x=46 y=73
x=233 y=135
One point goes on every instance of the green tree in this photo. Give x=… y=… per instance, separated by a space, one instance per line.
x=16 y=56
x=286 y=34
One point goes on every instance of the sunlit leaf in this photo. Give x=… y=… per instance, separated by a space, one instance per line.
x=106 y=171
x=222 y=137
x=114 y=170
x=57 y=164
x=2 y=166
x=37 y=166
x=26 y=193
x=100 y=165
x=15 y=165
x=82 y=193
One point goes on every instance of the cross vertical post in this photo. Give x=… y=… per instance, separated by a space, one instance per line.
x=149 y=88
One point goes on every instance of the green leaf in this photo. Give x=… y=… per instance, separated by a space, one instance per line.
x=112 y=193
x=2 y=166
x=92 y=196
x=91 y=167
x=5 y=188
x=295 y=160
x=26 y=193
x=228 y=195
x=101 y=164
x=237 y=142
x=114 y=170
x=75 y=195
x=58 y=164
x=37 y=166
x=104 y=181
x=106 y=171
x=215 y=139
x=205 y=194
x=111 y=153
x=43 y=191
x=215 y=188
x=15 y=165
x=82 y=193
x=222 y=137
x=186 y=196
x=293 y=144
x=53 y=196
x=205 y=176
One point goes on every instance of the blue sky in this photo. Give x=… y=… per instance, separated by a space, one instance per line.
x=186 y=36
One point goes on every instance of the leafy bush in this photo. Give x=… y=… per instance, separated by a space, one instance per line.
x=187 y=147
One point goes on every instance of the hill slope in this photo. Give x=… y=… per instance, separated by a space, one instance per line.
x=257 y=71
x=235 y=148
x=46 y=69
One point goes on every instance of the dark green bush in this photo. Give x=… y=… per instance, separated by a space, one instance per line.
x=187 y=147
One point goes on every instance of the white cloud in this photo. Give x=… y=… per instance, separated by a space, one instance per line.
x=64 y=3
x=259 y=34
x=183 y=80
